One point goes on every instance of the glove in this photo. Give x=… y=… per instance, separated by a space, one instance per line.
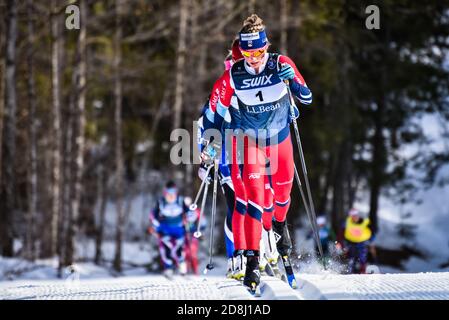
x=150 y=230
x=211 y=152
x=296 y=116
x=286 y=72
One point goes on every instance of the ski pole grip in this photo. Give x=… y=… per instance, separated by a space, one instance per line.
x=197 y=234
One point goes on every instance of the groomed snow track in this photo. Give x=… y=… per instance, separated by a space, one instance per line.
x=318 y=286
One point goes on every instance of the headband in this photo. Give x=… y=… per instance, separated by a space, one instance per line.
x=254 y=40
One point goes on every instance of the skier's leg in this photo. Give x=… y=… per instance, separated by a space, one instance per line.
x=267 y=216
x=238 y=216
x=194 y=244
x=268 y=206
x=363 y=249
x=189 y=255
x=268 y=240
x=178 y=252
x=165 y=247
x=254 y=181
x=282 y=175
x=352 y=254
x=229 y=237
x=253 y=178
x=230 y=201
x=240 y=203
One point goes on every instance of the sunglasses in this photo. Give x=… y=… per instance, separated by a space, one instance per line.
x=253 y=53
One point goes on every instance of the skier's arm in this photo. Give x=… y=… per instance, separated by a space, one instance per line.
x=373 y=235
x=219 y=102
x=154 y=218
x=297 y=84
x=201 y=120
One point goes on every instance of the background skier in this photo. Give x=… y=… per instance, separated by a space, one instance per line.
x=357 y=236
x=192 y=243
x=167 y=219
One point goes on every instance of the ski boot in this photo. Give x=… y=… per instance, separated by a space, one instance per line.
x=273 y=265
x=230 y=268
x=284 y=246
x=182 y=268
x=239 y=265
x=168 y=273
x=252 y=272
x=270 y=254
x=264 y=267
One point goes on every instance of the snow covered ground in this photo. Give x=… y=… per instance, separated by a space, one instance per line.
x=150 y=287
x=25 y=280
x=409 y=286
x=207 y=287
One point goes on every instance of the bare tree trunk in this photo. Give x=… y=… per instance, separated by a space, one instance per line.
x=66 y=174
x=283 y=29
x=180 y=62
x=65 y=214
x=50 y=248
x=103 y=192
x=7 y=202
x=118 y=136
x=338 y=187
x=78 y=137
x=32 y=133
x=67 y=186
x=323 y=203
x=378 y=164
x=202 y=45
x=379 y=160
x=2 y=87
x=353 y=186
x=344 y=150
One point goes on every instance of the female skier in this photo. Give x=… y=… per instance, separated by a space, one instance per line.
x=259 y=83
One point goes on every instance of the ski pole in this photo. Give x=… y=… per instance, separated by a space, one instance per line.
x=194 y=205
x=304 y=169
x=198 y=233
x=309 y=216
x=210 y=265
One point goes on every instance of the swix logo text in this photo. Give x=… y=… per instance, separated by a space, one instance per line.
x=254 y=175
x=215 y=97
x=255 y=82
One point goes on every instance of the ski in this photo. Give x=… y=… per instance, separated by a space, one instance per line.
x=268 y=270
x=289 y=274
x=275 y=269
x=168 y=276
x=254 y=290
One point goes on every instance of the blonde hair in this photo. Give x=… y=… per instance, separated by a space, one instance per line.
x=252 y=24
